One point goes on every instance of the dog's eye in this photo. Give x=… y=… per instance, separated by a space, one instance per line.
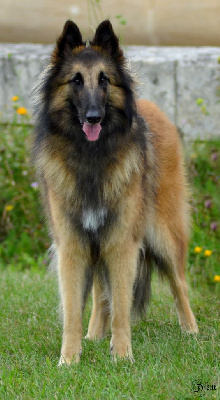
x=103 y=80
x=77 y=80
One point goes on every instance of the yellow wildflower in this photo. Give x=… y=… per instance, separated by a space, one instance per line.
x=207 y=253
x=22 y=110
x=15 y=98
x=217 y=278
x=9 y=207
x=197 y=249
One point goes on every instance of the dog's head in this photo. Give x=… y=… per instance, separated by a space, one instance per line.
x=89 y=81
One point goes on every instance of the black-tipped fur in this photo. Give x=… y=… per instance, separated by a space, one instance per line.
x=107 y=40
x=142 y=285
x=70 y=39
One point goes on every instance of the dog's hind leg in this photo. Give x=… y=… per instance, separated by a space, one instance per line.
x=99 y=321
x=180 y=293
x=178 y=286
x=169 y=256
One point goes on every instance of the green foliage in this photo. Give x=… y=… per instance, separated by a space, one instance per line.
x=23 y=236
x=199 y=101
x=121 y=19
x=202 y=105
x=204 y=172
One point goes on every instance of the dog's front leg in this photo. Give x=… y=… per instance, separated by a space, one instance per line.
x=122 y=263
x=71 y=271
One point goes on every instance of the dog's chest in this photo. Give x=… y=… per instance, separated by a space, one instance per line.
x=94 y=218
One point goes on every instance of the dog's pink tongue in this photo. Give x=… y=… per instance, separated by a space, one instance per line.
x=92 y=131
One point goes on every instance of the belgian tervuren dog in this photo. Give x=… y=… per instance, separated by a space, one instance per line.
x=113 y=186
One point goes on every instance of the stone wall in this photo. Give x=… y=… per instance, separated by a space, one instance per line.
x=173 y=77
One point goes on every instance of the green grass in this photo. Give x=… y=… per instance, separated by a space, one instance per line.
x=167 y=361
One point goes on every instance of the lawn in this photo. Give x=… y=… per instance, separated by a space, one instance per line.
x=168 y=364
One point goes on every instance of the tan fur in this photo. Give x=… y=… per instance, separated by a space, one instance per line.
x=172 y=210
x=117 y=96
x=120 y=174
x=99 y=323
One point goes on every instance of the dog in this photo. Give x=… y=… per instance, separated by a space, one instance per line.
x=113 y=186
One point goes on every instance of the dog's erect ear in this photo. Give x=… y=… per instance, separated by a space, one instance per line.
x=69 y=39
x=107 y=40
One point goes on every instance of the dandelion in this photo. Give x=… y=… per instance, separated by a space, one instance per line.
x=216 y=278
x=15 y=98
x=22 y=110
x=197 y=249
x=9 y=207
x=208 y=253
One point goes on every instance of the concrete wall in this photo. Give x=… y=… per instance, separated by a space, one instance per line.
x=173 y=77
x=148 y=22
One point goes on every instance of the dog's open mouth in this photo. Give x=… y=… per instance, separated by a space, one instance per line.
x=92 y=131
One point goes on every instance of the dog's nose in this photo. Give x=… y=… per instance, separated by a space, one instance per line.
x=93 y=116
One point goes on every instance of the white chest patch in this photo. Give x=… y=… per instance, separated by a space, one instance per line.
x=93 y=219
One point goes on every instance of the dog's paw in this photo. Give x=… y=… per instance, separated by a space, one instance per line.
x=90 y=337
x=69 y=361
x=190 y=326
x=93 y=337
x=123 y=356
x=190 y=329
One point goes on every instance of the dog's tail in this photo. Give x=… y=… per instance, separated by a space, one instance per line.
x=142 y=285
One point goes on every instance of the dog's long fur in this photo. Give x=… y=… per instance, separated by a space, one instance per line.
x=116 y=204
